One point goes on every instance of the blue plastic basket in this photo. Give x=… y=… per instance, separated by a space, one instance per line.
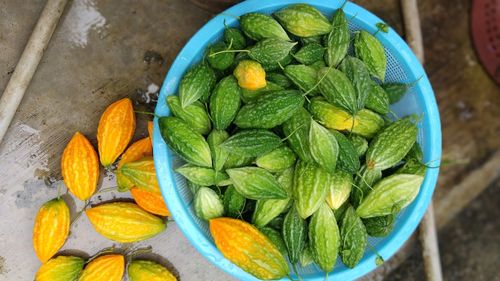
x=402 y=66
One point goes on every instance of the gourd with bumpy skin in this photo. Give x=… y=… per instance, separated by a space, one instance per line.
x=294 y=233
x=353 y=238
x=396 y=191
x=348 y=159
x=248 y=248
x=371 y=52
x=61 y=268
x=201 y=175
x=196 y=84
x=250 y=75
x=256 y=183
x=115 y=130
x=311 y=185
x=340 y=189
x=279 y=79
x=391 y=145
x=277 y=160
x=395 y=91
x=195 y=114
x=183 y=140
x=254 y=142
x=51 y=228
x=234 y=202
x=207 y=204
x=359 y=143
x=377 y=99
x=124 y=222
x=222 y=60
x=379 y=226
x=80 y=167
x=368 y=123
x=138 y=150
x=337 y=41
x=219 y=155
x=303 y=76
x=357 y=72
x=324 y=238
x=270 y=110
x=234 y=37
x=303 y=20
x=150 y=201
x=144 y=270
x=250 y=96
x=296 y=129
x=259 y=26
x=270 y=51
x=225 y=102
x=104 y=268
x=310 y=53
x=306 y=257
x=337 y=89
x=142 y=174
x=324 y=147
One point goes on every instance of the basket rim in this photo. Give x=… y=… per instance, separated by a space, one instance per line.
x=431 y=126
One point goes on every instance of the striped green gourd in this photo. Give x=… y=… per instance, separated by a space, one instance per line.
x=364 y=182
x=396 y=191
x=311 y=185
x=234 y=38
x=360 y=144
x=219 y=155
x=337 y=41
x=324 y=147
x=303 y=76
x=377 y=99
x=275 y=237
x=310 y=53
x=225 y=102
x=379 y=226
x=348 y=158
x=357 y=72
x=296 y=130
x=186 y=142
x=195 y=114
x=250 y=96
x=259 y=26
x=313 y=39
x=371 y=52
x=353 y=238
x=256 y=183
x=270 y=51
x=236 y=160
x=278 y=65
x=201 y=175
x=277 y=160
x=294 y=233
x=234 y=202
x=222 y=60
x=324 y=238
x=270 y=110
x=391 y=145
x=250 y=143
x=196 y=84
x=368 y=123
x=337 y=89
x=339 y=189
x=303 y=20
x=268 y=209
x=318 y=64
x=279 y=79
x=207 y=204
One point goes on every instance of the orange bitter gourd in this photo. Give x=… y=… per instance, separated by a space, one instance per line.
x=80 y=167
x=115 y=130
x=51 y=228
x=142 y=173
x=150 y=201
x=248 y=248
x=124 y=222
x=143 y=270
x=150 y=130
x=136 y=151
x=104 y=268
x=61 y=268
